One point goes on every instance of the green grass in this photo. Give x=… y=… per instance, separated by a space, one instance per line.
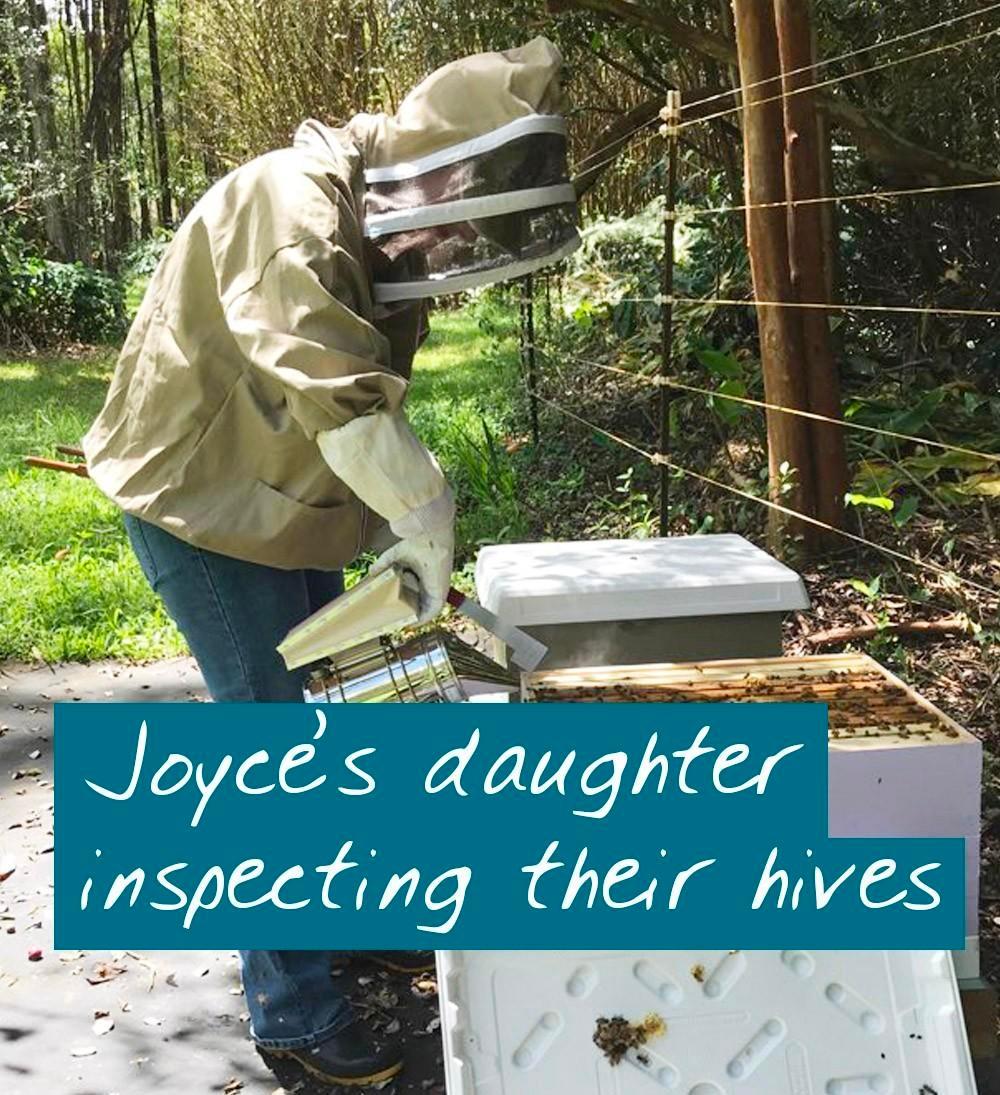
x=70 y=588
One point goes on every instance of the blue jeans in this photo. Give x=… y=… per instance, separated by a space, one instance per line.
x=233 y=614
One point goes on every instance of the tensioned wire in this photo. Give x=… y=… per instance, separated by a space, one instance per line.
x=660 y=460
x=892 y=309
x=657 y=381
x=820 y=63
x=841 y=79
x=619 y=141
x=824 y=61
x=835 y=199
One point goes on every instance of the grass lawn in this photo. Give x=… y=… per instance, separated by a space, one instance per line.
x=70 y=588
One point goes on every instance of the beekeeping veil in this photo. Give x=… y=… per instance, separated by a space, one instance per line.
x=467 y=184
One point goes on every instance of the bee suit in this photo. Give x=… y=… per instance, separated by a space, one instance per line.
x=256 y=409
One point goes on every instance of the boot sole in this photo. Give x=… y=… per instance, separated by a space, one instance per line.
x=343 y=1081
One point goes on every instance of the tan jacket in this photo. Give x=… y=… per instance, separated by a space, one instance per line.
x=257 y=332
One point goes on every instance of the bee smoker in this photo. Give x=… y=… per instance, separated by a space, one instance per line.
x=435 y=667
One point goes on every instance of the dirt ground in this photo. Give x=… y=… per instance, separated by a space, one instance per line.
x=124 y=1023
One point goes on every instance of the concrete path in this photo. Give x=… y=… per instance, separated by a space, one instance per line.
x=123 y=1023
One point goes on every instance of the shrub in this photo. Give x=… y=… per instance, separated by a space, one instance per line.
x=138 y=268
x=44 y=302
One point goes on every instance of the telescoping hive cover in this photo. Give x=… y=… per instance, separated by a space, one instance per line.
x=703 y=1023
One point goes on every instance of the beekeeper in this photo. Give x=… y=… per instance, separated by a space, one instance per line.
x=254 y=434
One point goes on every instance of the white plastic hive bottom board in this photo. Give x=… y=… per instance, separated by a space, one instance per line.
x=737 y=1022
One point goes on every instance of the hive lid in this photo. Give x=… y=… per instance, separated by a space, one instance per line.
x=593 y=580
x=746 y=1022
x=375 y=606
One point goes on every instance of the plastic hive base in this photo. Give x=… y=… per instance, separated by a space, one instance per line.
x=737 y=1022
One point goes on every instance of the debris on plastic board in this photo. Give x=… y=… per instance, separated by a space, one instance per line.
x=616 y=1036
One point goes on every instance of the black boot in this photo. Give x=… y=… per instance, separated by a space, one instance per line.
x=350 y=1058
x=401 y=961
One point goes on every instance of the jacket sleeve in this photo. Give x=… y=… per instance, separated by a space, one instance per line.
x=298 y=326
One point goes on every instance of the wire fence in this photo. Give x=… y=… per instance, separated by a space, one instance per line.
x=843 y=423
x=667 y=301
x=660 y=459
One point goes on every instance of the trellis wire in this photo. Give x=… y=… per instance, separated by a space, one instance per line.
x=821 y=305
x=657 y=459
x=930 y=52
x=619 y=142
x=837 y=199
x=824 y=61
x=657 y=381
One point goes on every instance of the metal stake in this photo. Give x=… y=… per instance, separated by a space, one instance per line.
x=671 y=115
x=528 y=359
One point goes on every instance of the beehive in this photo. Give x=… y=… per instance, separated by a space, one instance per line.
x=628 y=602
x=899 y=767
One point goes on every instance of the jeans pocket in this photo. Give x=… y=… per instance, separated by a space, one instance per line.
x=140 y=546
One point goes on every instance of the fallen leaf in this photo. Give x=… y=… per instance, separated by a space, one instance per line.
x=104 y=971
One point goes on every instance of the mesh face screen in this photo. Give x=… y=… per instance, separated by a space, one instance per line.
x=529 y=161
x=467 y=247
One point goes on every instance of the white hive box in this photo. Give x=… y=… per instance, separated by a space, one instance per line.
x=737 y=1022
x=899 y=767
x=617 y=602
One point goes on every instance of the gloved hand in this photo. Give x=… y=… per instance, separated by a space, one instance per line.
x=430 y=555
x=390 y=470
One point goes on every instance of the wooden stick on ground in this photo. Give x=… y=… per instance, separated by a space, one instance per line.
x=58 y=465
x=947 y=625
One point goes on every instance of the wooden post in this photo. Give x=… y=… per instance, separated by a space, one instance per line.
x=671 y=115
x=528 y=358
x=809 y=257
x=782 y=347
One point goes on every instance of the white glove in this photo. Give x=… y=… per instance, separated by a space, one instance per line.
x=391 y=471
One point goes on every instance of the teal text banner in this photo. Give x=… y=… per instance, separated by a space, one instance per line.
x=673 y=826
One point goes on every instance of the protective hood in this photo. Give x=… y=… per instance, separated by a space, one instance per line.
x=468 y=184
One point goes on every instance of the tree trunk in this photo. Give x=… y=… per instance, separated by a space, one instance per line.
x=809 y=260
x=159 y=123
x=38 y=83
x=117 y=31
x=145 y=222
x=782 y=347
